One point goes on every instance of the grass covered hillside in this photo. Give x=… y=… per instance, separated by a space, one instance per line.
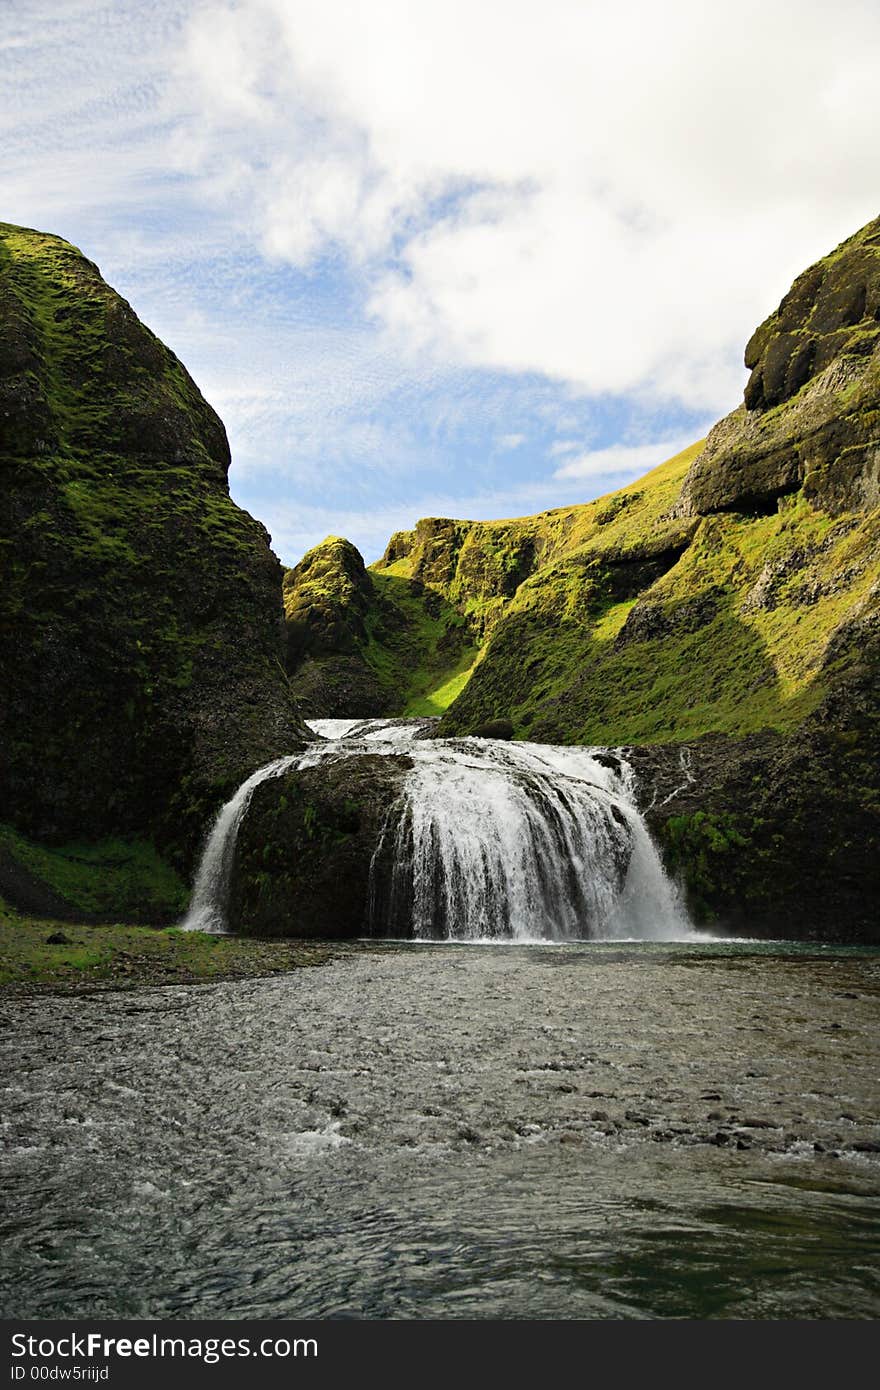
x=365 y=642
x=732 y=636
x=636 y=622
x=714 y=595
x=141 y=628
x=625 y=620
x=767 y=542
x=405 y=635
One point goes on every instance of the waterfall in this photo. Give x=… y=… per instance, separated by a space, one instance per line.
x=207 y=906
x=520 y=841
x=372 y=730
x=517 y=841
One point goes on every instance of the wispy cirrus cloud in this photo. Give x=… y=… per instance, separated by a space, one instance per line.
x=420 y=274
x=618 y=459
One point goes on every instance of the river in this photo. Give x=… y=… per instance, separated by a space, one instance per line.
x=451 y=1130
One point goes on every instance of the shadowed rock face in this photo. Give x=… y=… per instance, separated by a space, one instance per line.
x=302 y=865
x=363 y=644
x=811 y=413
x=775 y=836
x=140 y=610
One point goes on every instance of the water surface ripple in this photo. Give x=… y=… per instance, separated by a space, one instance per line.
x=452 y=1131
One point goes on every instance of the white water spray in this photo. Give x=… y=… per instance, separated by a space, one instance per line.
x=490 y=840
x=520 y=841
x=207 y=906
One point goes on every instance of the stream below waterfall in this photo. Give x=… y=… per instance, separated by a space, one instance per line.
x=564 y=1104
x=452 y=1131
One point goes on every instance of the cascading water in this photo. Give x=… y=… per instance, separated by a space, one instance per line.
x=518 y=841
x=206 y=908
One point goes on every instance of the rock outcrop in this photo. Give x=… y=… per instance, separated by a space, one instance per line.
x=302 y=866
x=811 y=415
x=364 y=643
x=329 y=607
x=141 y=628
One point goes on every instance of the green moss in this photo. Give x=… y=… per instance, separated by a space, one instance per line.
x=698 y=849
x=125 y=878
x=418 y=646
x=119 y=956
x=438 y=698
x=619 y=620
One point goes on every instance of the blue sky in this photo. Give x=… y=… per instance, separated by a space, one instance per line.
x=443 y=258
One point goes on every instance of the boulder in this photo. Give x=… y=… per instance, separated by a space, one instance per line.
x=302 y=866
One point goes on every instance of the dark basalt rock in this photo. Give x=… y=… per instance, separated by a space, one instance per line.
x=140 y=609
x=650 y=621
x=302 y=866
x=340 y=687
x=811 y=412
x=778 y=836
x=494 y=728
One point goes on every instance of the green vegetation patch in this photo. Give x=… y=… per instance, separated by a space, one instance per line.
x=418 y=646
x=111 y=878
x=364 y=641
x=120 y=956
x=698 y=848
x=734 y=637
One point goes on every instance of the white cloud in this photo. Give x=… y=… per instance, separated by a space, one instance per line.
x=609 y=196
x=296 y=528
x=564 y=219
x=621 y=458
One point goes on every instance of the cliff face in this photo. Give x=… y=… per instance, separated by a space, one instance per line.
x=363 y=643
x=810 y=419
x=141 y=631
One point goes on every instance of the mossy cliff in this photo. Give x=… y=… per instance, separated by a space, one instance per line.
x=364 y=643
x=141 y=632
x=811 y=415
x=724 y=609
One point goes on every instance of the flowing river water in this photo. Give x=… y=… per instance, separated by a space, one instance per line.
x=468 y=1127
x=453 y=1130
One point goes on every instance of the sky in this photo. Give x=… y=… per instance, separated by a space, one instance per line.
x=429 y=257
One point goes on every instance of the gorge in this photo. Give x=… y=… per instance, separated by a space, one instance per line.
x=720 y=613
x=577 y=814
